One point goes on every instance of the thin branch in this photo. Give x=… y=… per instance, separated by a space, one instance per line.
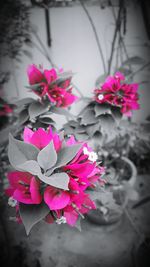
x=138 y=70
x=117 y=28
x=121 y=40
x=95 y=34
x=44 y=49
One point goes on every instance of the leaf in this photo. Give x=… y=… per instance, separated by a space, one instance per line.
x=62 y=111
x=107 y=123
x=65 y=75
x=47 y=157
x=36 y=109
x=136 y=60
x=73 y=123
x=88 y=117
x=59 y=180
x=65 y=155
x=100 y=79
x=46 y=119
x=36 y=86
x=78 y=225
x=91 y=129
x=32 y=214
x=30 y=166
x=101 y=109
x=81 y=136
x=24 y=101
x=116 y=112
x=80 y=129
x=20 y=152
x=23 y=116
x=125 y=71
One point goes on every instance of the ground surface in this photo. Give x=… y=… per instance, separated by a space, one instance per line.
x=95 y=246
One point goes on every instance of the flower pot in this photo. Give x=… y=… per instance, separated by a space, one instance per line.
x=112 y=211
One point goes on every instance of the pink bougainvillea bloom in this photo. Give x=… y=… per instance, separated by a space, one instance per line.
x=41 y=138
x=34 y=75
x=116 y=92
x=50 y=75
x=47 y=83
x=24 y=187
x=82 y=172
x=56 y=199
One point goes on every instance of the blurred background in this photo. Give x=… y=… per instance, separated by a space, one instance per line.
x=92 y=38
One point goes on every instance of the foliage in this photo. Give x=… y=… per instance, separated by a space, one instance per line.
x=14 y=28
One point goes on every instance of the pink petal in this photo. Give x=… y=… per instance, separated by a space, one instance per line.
x=17 y=176
x=71 y=216
x=50 y=75
x=20 y=196
x=34 y=74
x=40 y=138
x=27 y=134
x=56 y=199
x=35 y=191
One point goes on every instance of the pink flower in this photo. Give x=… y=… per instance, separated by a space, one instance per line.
x=41 y=138
x=65 y=205
x=47 y=83
x=117 y=93
x=34 y=75
x=56 y=199
x=24 y=187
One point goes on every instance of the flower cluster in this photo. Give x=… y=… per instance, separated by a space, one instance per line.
x=117 y=93
x=54 y=173
x=56 y=86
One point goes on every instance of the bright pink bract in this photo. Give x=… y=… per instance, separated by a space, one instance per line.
x=82 y=172
x=116 y=92
x=51 y=84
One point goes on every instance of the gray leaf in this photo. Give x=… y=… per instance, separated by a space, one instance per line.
x=20 y=152
x=47 y=157
x=30 y=166
x=59 y=180
x=32 y=214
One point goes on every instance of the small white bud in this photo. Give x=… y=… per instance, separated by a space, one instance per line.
x=100 y=97
x=93 y=156
x=61 y=220
x=12 y=202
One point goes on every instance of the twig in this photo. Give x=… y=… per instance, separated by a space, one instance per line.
x=138 y=70
x=44 y=49
x=117 y=28
x=95 y=33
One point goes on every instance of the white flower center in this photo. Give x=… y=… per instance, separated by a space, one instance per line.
x=92 y=156
x=12 y=202
x=100 y=97
x=61 y=220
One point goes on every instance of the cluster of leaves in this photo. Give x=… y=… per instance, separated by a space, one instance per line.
x=38 y=114
x=95 y=121
x=14 y=27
